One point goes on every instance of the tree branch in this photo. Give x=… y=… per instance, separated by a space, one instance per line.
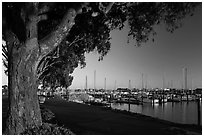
x=4 y=49
x=45 y=8
x=47 y=67
x=11 y=40
x=5 y=62
x=103 y=9
x=41 y=17
x=5 y=56
x=56 y=37
x=77 y=39
x=108 y=7
x=42 y=11
x=51 y=41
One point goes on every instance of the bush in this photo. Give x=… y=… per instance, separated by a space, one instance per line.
x=48 y=129
x=47 y=115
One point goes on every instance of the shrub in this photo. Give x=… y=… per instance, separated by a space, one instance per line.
x=48 y=129
x=47 y=115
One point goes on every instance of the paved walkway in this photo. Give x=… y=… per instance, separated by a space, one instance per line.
x=85 y=119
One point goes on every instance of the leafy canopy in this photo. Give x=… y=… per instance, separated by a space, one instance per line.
x=91 y=31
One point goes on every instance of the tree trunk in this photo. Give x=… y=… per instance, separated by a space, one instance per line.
x=24 y=110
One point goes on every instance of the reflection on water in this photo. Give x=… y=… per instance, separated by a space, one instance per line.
x=185 y=112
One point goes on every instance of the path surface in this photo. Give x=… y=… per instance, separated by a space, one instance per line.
x=85 y=119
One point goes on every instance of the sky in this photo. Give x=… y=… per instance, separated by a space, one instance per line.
x=163 y=58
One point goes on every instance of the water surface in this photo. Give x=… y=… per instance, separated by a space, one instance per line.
x=185 y=113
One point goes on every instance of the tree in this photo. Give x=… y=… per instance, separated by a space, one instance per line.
x=35 y=33
x=56 y=68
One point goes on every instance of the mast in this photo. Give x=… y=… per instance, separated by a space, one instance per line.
x=185 y=78
x=163 y=79
x=86 y=84
x=146 y=82
x=94 y=80
x=171 y=84
x=185 y=82
x=129 y=84
x=115 y=85
x=142 y=87
x=191 y=85
x=105 y=84
x=129 y=95
x=142 y=82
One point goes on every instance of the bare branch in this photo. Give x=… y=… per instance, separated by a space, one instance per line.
x=40 y=63
x=5 y=56
x=4 y=49
x=77 y=39
x=5 y=63
x=47 y=67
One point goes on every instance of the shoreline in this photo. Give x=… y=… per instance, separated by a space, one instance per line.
x=157 y=119
x=85 y=119
x=192 y=127
x=108 y=118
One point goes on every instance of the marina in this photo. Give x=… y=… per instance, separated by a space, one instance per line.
x=102 y=68
x=168 y=105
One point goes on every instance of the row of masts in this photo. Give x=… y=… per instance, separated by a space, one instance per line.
x=145 y=85
x=86 y=84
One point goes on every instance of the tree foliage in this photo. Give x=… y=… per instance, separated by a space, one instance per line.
x=91 y=31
